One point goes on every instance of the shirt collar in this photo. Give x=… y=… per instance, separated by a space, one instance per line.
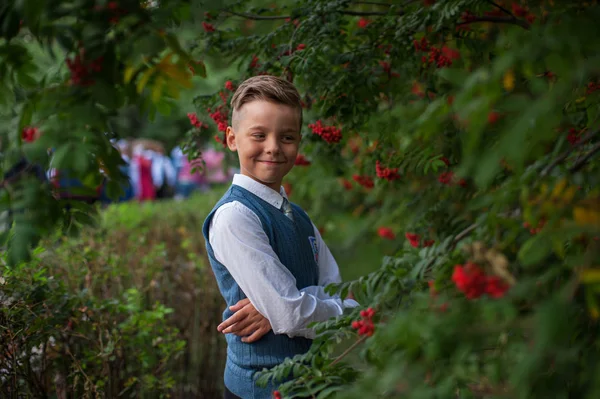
x=260 y=190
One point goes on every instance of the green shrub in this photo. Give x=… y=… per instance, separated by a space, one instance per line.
x=126 y=308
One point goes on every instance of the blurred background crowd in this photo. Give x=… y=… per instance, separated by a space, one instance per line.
x=151 y=173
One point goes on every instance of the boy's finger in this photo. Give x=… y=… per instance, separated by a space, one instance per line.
x=246 y=331
x=235 y=318
x=241 y=325
x=255 y=336
x=240 y=304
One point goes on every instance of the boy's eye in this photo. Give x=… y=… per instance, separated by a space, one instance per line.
x=289 y=138
x=258 y=135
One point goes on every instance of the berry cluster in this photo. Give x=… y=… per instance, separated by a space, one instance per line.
x=195 y=122
x=441 y=57
x=220 y=118
x=254 y=63
x=415 y=240
x=522 y=12
x=537 y=229
x=29 y=134
x=574 y=136
x=82 y=71
x=208 y=27
x=346 y=184
x=448 y=178
x=387 y=68
x=366 y=325
x=301 y=160
x=386 y=173
x=330 y=134
x=229 y=85
x=592 y=87
x=473 y=282
x=276 y=395
x=386 y=232
x=363 y=23
x=493 y=117
x=364 y=181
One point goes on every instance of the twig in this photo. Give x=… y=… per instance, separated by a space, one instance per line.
x=579 y=164
x=369 y=13
x=276 y=17
x=565 y=154
x=501 y=8
x=350 y=349
x=501 y=20
x=257 y=17
x=373 y=3
x=460 y=236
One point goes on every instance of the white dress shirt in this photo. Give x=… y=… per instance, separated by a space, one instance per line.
x=241 y=245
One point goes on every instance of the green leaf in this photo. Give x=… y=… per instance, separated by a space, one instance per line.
x=535 y=250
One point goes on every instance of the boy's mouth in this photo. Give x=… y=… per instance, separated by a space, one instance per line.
x=272 y=162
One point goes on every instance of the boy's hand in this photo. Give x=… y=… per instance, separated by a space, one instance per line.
x=245 y=322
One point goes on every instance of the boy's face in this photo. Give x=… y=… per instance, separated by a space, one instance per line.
x=266 y=137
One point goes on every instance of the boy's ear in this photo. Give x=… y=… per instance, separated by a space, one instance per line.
x=230 y=139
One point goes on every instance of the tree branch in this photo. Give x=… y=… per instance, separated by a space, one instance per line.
x=580 y=163
x=369 y=13
x=501 y=8
x=350 y=349
x=257 y=17
x=501 y=20
x=276 y=17
x=373 y=3
x=565 y=154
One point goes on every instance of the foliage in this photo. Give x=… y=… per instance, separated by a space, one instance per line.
x=97 y=57
x=125 y=309
x=470 y=128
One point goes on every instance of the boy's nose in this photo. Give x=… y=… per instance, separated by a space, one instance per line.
x=273 y=146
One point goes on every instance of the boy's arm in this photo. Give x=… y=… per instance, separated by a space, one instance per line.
x=329 y=273
x=240 y=244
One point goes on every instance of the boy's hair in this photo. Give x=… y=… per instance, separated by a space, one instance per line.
x=266 y=88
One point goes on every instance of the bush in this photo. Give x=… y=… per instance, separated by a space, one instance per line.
x=128 y=308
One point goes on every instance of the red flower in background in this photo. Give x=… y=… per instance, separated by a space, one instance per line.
x=363 y=23
x=574 y=136
x=446 y=177
x=347 y=184
x=493 y=117
x=413 y=239
x=364 y=181
x=229 y=85
x=473 y=282
x=82 y=71
x=386 y=232
x=220 y=118
x=470 y=279
x=208 y=27
x=386 y=173
x=495 y=287
x=330 y=134
x=195 y=122
x=301 y=160
x=428 y=243
x=29 y=134
x=366 y=325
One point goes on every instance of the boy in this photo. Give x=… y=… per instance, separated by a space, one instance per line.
x=270 y=261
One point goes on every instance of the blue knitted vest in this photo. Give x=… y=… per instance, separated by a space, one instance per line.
x=293 y=243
